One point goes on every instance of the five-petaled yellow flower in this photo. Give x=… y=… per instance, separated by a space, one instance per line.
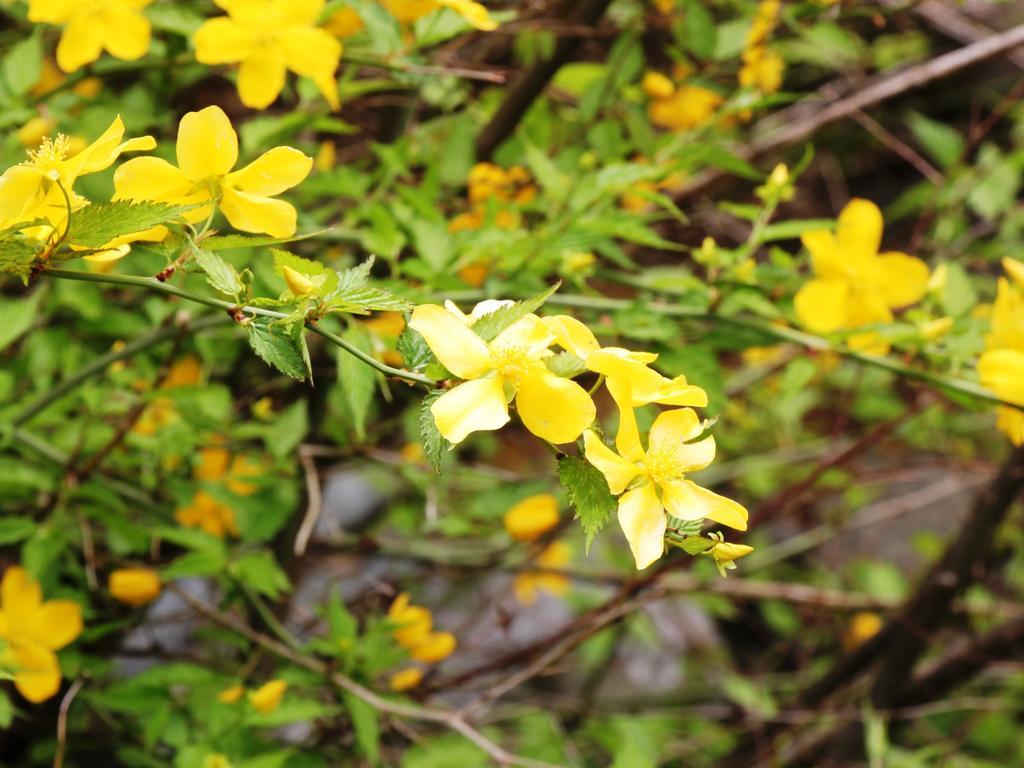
x=509 y=367
x=33 y=630
x=1001 y=366
x=207 y=150
x=653 y=481
x=855 y=286
x=119 y=26
x=267 y=38
x=532 y=517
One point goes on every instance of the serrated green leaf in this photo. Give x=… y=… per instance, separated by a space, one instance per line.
x=219 y=274
x=365 y=723
x=489 y=326
x=355 y=277
x=362 y=301
x=588 y=494
x=413 y=348
x=434 y=443
x=279 y=346
x=565 y=364
x=17 y=256
x=228 y=242
x=96 y=225
x=260 y=572
x=356 y=379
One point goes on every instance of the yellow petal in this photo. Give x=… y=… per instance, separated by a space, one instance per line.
x=231 y=694
x=473 y=406
x=643 y=521
x=673 y=392
x=405 y=679
x=223 y=41
x=457 y=348
x=20 y=595
x=126 y=32
x=107 y=148
x=1015 y=270
x=302 y=11
x=253 y=213
x=1002 y=371
x=267 y=697
x=22 y=190
x=55 y=624
x=207 y=144
x=528 y=334
x=37 y=675
x=272 y=172
x=673 y=428
x=532 y=517
x=134 y=586
x=821 y=305
x=859 y=229
x=51 y=11
x=688 y=501
x=618 y=472
x=1010 y=422
x=627 y=437
x=80 y=44
x=826 y=259
x=261 y=79
x=553 y=408
x=903 y=279
x=572 y=335
x=434 y=648
x=726 y=552
x=313 y=53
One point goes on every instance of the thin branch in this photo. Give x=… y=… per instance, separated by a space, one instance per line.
x=62 y=721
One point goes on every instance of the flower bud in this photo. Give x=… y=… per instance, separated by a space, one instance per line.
x=657 y=85
x=298 y=283
x=134 y=586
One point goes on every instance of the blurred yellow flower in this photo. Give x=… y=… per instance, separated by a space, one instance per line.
x=32 y=630
x=32 y=133
x=854 y=285
x=267 y=697
x=134 y=586
x=405 y=679
x=1001 y=366
x=688 y=107
x=415 y=631
x=762 y=69
x=119 y=26
x=206 y=512
x=345 y=22
x=216 y=760
x=207 y=150
x=640 y=476
x=231 y=694
x=509 y=367
x=529 y=583
x=267 y=38
x=532 y=517
x=862 y=627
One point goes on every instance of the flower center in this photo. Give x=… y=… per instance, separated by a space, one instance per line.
x=662 y=465
x=514 y=363
x=51 y=153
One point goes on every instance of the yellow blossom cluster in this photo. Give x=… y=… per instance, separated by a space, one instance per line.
x=677 y=105
x=854 y=285
x=512 y=368
x=762 y=68
x=1001 y=366
x=31 y=630
x=205 y=511
x=528 y=521
x=414 y=631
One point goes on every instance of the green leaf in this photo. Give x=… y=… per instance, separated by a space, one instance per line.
x=413 y=348
x=694 y=545
x=16 y=317
x=698 y=32
x=357 y=380
x=219 y=274
x=356 y=296
x=588 y=494
x=958 y=296
x=96 y=225
x=565 y=364
x=23 y=64
x=208 y=563
x=343 y=625
x=489 y=326
x=15 y=529
x=260 y=572
x=174 y=17
x=365 y=723
x=325 y=280
x=279 y=346
x=287 y=430
x=943 y=142
x=229 y=242
x=17 y=256
x=786 y=230
x=434 y=443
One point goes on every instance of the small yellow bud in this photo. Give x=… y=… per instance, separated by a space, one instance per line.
x=231 y=695
x=937 y=281
x=863 y=626
x=779 y=175
x=532 y=517
x=134 y=586
x=263 y=409
x=578 y=261
x=435 y=647
x=657 y=85
x=327 y=154
x=406 y=679
x=267 y=697
x=936 y=329
x=298 y=283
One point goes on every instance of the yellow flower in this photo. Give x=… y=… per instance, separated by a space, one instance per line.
x=854 y=284
x=90 y=26
x=725 y=554
x=134 y=586
x=406 y=679
x=762 y=69
x=415 y=633
x=1015 y=270
x=267 y=38
x=473 y=12
x=298 y=283
x=35 y=189
x=1001 y=366
x=206 y=512
x=33 y=630
x=509 y=367
x=640 y=476
x=32 y=133
x=216 y=760
x=656 y=85
x=529 y=583
x=862 y=627
x=207 y=150
x=344 y=22
x=267 y=697
x=688 y=107
x=231 y=694
x=532 y=517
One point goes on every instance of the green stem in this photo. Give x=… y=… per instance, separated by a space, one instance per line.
x=100 y=364
x=155 y=285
